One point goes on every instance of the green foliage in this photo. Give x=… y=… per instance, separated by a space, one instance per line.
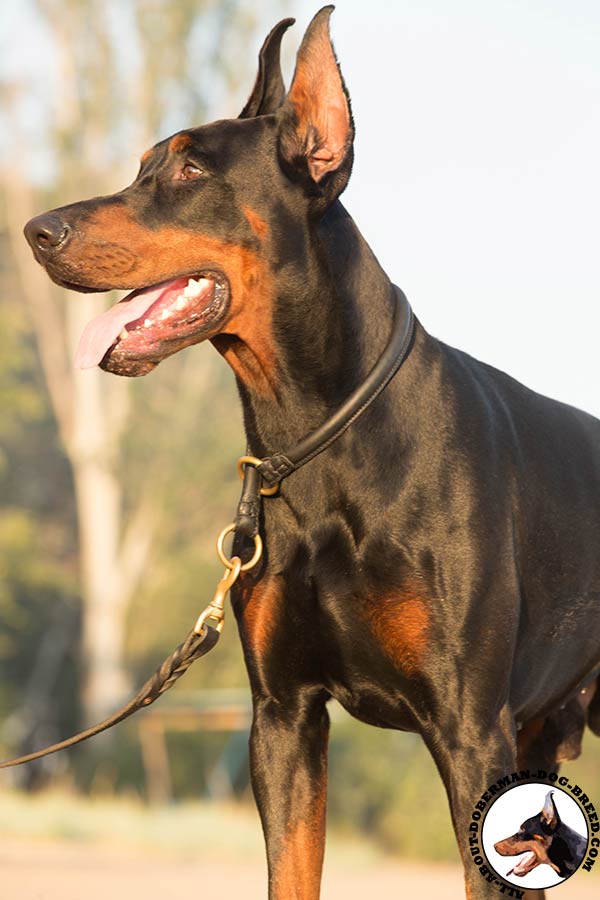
x=192 y=464
x=36 y=609
x=20 y=398
x=384 y=784
x=37 y=556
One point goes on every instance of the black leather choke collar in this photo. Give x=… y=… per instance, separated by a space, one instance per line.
x=278 y=466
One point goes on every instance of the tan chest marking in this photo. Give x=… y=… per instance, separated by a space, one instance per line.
x=401 y=624
x=261 y=604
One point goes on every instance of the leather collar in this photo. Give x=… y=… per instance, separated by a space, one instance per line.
x=280 y=465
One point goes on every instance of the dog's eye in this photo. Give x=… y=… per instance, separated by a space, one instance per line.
x=190 y=171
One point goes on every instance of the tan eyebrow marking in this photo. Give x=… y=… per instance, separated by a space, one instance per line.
x=179 y=142
x=256 y=222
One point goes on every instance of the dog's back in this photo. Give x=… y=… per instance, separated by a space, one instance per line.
x=521 y=474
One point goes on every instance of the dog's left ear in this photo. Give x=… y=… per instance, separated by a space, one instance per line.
x=549 y=812
x=316 y=128
x=268 y=92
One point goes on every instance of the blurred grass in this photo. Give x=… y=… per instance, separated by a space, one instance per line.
x=384 y=784
x=180 y=830
x=385 y=799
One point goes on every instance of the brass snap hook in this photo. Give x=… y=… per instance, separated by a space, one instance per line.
x=216 y=608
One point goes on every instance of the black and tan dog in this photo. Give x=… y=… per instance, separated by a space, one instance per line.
x=547 y=841
x=437 y=569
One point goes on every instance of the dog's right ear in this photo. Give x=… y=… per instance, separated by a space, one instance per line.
x=268 y=92
x=550 y=813
x=316 y=131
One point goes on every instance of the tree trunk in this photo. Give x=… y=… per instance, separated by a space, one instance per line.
x=93 y=448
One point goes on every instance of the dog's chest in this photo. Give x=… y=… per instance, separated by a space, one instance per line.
x=367 y=647
x=373 y=656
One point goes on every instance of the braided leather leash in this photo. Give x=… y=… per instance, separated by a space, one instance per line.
x=198 y=643
x=174 y=666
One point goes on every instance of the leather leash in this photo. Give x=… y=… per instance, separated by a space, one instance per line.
x=271 y=470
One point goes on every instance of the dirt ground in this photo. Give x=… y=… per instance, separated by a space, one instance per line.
x=70 y=871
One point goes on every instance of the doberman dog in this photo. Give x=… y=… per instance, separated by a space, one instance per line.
x=546 y=840
x=437 y=568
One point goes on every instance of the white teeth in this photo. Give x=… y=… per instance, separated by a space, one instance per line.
x=166 y=314
x=203 y=282
x=192 y=289
x=181 y=302
x=147 y=323
x=123 y=334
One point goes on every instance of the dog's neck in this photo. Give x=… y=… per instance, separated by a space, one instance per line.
x=332 y=320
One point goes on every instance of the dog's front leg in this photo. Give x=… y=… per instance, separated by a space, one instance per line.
x=288 y=763
x=470 y=760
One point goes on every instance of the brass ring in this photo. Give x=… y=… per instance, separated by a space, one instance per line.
x=230 y=563
x=255 y=461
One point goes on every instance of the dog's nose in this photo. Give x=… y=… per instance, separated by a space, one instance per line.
x=46 y=232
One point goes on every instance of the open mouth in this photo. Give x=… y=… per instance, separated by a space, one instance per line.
x=147 y=325
x=524 y=865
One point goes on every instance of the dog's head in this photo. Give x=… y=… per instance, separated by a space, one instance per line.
x=534 y=838
x=216 y=220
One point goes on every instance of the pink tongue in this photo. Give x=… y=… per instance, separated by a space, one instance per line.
x=101 y=333
x=523 y=863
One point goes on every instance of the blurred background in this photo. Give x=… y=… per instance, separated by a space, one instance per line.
x=476 y=182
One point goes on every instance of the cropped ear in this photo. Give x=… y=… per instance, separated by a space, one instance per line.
x=549 y=812
x=268 y=92
x=316 y=128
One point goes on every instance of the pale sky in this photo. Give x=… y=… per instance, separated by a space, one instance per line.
x=477 y=173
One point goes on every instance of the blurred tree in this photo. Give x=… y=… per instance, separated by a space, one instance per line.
x=121 y=76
